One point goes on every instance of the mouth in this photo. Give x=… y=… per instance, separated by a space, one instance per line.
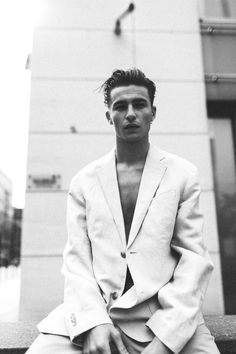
x=131 y=126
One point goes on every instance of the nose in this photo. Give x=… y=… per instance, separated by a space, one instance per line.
x=130 y=116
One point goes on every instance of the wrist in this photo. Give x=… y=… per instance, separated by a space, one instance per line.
x=161 y=346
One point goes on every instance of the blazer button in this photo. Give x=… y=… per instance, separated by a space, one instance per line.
x=123 y=254
x=114 y=295
x=73 y=320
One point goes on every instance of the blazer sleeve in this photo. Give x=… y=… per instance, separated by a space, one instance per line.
x=181 y=298
x=84 y=305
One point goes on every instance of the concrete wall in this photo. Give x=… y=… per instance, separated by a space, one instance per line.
x=74 y=51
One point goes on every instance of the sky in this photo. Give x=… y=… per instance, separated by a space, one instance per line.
x=16 y=33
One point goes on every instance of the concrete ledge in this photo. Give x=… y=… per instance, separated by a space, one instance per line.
x=223 y=328
x=15 y=338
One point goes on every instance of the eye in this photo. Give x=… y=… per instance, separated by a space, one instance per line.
x=120 y=107
x=139 y=105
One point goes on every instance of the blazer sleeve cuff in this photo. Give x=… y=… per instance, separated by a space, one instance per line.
x=174 y=333
x=78 y=323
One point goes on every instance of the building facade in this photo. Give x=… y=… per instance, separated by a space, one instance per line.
x=218 y=30
x=75 y=49
x=5 y=219
x=10 y=225
x=10 y=242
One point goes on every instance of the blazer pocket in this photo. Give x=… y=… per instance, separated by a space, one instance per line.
x=162 y=212
x=164 y=193
x=165 y=201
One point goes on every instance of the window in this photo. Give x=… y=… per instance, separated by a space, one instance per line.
x=223 y=137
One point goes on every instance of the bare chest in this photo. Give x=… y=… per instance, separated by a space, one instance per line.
x=129 y=182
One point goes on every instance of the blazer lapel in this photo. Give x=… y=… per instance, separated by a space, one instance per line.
x=108 y=180
x=153 y=173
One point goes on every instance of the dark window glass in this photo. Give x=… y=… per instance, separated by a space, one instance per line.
x=222 y=133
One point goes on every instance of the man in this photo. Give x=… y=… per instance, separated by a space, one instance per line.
x=135 y=266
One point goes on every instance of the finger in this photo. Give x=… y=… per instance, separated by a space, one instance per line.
x=105 y=349
x=119 y=343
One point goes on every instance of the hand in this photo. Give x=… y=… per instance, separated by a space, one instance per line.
x=98 y=339
x=156 y=347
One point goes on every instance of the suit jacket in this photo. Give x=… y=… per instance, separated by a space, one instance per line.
x=165 y=253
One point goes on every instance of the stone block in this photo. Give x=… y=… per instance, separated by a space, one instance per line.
x=79 y=54
x=57 y=106
x=170 y=57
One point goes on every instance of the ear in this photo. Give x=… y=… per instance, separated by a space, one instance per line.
x=154 y=109
x=109 y=118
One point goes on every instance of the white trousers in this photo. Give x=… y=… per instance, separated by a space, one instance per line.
x=202 y=342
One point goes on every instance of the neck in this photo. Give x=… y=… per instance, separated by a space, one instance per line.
x=131 y=152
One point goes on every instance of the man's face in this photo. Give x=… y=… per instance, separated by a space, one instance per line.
x=131 y=112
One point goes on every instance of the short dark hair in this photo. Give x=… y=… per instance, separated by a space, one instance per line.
x=124 y=78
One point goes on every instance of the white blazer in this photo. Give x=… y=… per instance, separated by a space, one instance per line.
x=165 y=253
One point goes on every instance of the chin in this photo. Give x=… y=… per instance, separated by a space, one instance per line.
x=133 y=139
